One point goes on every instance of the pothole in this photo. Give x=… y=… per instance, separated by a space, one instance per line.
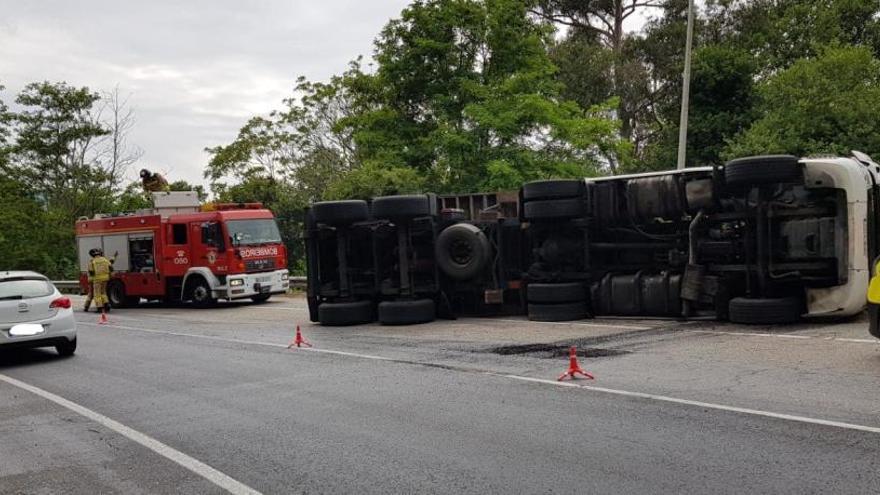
x=548 y=351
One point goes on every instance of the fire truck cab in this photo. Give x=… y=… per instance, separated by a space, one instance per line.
x=180 y=251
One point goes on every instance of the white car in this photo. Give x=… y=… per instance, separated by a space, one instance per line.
x=34 y=314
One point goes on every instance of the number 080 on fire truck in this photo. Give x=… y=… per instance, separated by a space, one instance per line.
x=181 y=251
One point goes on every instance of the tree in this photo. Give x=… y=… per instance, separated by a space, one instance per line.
x=828 y=105
x=462 y=84
x=116 y=154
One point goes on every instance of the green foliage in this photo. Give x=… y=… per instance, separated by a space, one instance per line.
x=826 y=105
x=372 y=179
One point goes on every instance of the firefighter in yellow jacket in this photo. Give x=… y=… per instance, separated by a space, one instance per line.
x=100 y=270
x=874 y=302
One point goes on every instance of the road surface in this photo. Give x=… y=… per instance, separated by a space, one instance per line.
x=181 y=400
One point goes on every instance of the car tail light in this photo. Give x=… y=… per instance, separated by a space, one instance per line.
x=61 y=303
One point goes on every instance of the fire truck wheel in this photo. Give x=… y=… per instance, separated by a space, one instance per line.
x=199 y=292
x=261 y=298
x=554 y=209
x=556 y=293
x=345 y=313
x=557 y=312
x=552 y=189
x=116 y=295
x=401 y=207
x=754 y=170
x=406 y=312
x=765 y=311
x=341 y=212
x=462 y=251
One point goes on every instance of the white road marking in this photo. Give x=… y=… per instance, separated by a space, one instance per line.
x=619 y=392
x=220 y=479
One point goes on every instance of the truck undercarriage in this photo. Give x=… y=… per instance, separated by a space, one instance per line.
x=760 y=240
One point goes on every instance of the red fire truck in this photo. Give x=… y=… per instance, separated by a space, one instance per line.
x=180 y=251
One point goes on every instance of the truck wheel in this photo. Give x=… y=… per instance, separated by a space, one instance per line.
x=341 y=212
x=556 y=293
x=768 y=169
x=758 y=311
x=199 y=292
x=261 y=298
x=116 y=295
x=407 y=312
x=66 y=348
x=462 y=251
x=554 y=209
x=401 y=207
x=552 y=189
x=557 y=312
x=345 y=313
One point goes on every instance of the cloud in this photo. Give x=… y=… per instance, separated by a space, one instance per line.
x=196 y=70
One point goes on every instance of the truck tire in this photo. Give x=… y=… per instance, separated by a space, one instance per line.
x=341 y=212
x=407 y=312
x=345 y=313
x=552 y=189
x=117 y=297
x=768 y=169
x=765 y=311
x=554 y=209
x=462 y=251
x=557 y=312
x=566 y=292
x=199 y=292
x=401 y=207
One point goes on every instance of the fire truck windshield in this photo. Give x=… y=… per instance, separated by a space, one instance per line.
x=255 y=231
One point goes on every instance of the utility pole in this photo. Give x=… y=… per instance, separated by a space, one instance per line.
x=685 y=88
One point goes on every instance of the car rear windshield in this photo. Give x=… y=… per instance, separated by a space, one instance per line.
x=25 y=288
x=255 y=231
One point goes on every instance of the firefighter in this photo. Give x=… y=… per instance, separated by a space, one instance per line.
x=153 y=182
x=100 y=270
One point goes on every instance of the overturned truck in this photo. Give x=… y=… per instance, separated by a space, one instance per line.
x=764 y=240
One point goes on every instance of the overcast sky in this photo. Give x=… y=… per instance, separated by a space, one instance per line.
x=196 y=70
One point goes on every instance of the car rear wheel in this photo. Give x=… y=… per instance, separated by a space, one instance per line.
x=765 y=311
x=66 y=348
x=345 y=313
x=407 y=312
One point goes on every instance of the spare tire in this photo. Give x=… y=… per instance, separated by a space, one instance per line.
x=401 y=207
x=765 y=311
x=557 y=312
x=552 y=189
x=345 y=313
x=406 y=312
x=341 y=212
x=462 y=251
x=556 y=293
x=554 y=209
x=768 y=169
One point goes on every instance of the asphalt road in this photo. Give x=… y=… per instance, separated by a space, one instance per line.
x=179 y=400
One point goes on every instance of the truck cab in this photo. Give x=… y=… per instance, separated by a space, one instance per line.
x=181 y=251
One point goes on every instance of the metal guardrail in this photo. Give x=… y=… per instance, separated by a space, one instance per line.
x=68 y=286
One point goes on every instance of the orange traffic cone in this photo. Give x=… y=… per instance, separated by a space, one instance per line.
x=573 y=367
x=298 y=340
x=103 y=319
